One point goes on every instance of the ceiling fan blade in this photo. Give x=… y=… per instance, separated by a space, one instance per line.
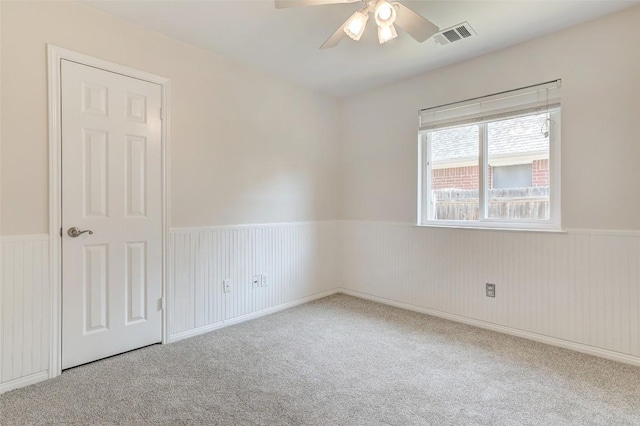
x=416 y=25
x=335 y=38
x=282 y=4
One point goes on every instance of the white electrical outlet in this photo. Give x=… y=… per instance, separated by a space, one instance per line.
x=226 y=285
x=265 y=280
x=255 y=281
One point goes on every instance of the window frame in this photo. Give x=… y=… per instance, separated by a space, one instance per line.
x=484 y=222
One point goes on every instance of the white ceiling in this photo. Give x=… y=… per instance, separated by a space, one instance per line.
x=285 y=42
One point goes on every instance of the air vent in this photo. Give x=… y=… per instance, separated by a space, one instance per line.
x=451 y=35
x=455 y=33
x=463 y=31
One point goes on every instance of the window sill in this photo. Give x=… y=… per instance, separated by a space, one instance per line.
x=484 y=227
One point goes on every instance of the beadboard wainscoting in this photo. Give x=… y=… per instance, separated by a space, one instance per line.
x=24 y=311
x=299 y=261
x=579 y=289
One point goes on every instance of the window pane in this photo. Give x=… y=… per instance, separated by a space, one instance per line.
x=518 y=173
x=455 y=179
x=518 y=176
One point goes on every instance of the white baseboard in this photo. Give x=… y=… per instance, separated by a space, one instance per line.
x=578 y=347
x=24 y=381
x=215 y=326
x=553 y=341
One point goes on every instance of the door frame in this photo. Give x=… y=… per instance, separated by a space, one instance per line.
x=55 y=55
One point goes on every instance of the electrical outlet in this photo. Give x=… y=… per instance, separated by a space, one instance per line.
x=226 y=285
x=255 y=281
x=491 y=290
x=265 y=280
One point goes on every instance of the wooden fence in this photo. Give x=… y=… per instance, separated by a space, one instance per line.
x=510 y=203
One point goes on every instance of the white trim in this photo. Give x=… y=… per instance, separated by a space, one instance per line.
x=605 y=232
x=55 y=56
x=1 y=256
x=575 y=231
x=53 y=73
x=166 y=201
x=424 y=167
x=553 y=341
x=253 y=315
x=249 y=226
x=487 y=225
x=24 y=381
x=22 y=238
x=578 y=347
x=483 y=174
x=555 y=167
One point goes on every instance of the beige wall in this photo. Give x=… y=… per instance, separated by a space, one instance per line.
x=599 y=64
x=249 y=148
x=245 y=147
x=1 y=8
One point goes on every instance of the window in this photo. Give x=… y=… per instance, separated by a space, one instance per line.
x=492 y=162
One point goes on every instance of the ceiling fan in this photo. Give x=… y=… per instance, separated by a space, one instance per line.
x=387 y=14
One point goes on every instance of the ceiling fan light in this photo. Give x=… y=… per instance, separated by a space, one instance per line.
x=385 y=13
x=354 y=27
x=386 y=33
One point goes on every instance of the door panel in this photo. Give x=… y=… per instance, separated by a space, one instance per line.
x=111 y=185
x=96 y=292
x=136 y=187
x=136 y=282
x=96 y=162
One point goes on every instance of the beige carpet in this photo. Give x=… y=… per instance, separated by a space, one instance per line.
x=339 y=361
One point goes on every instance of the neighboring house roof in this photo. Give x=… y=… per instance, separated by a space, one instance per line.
x=515 y=137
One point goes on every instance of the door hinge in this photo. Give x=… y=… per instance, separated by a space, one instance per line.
x=60 y=232
x=162 y=303
x=160 y=113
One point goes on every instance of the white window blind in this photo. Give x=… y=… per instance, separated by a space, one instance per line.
x=528 y=100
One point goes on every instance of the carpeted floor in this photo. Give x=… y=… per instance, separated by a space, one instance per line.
x=339 y=361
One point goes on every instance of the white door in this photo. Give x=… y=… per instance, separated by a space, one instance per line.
x=111 y=191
